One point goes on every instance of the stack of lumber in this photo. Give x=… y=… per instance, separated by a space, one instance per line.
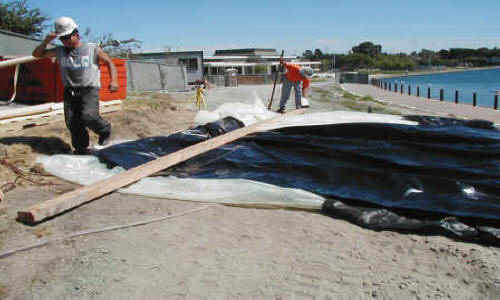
x=14 y=119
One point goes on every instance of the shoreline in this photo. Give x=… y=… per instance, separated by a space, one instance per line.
x=385 y=76
x=445 y=108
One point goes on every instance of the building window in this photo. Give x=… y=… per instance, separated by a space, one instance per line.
x=191 y=63
x=248 y=70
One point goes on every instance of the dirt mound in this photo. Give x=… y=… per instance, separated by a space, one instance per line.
x=143 y=115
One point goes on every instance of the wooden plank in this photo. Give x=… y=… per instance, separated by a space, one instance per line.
x=64 y=202
x=29 y=110
x=15 y=124
x=41 y=109
x=18 y=60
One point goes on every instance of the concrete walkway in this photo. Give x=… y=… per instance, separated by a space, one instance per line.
x=447 y=109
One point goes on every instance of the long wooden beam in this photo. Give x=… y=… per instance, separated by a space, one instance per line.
x=59 y=204
x=19 y=123
x=18 y=60
x=29 y=110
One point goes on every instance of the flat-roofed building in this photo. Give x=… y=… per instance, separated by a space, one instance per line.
x=250 y=61
x=192 y=60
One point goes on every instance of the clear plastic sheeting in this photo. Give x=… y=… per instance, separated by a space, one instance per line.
x=246 y=113
x=82 y=169
x=337 y=117
x=87 y=170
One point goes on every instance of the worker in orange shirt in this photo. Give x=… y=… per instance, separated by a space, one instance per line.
x=295 y=77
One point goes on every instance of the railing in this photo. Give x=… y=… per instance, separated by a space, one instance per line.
x=403 y=88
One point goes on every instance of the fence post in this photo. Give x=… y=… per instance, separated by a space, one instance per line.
x=456 y=96
x=495 y=104
x=395 y=87
x=409 y=89
x=418 y=91
x=429 y=93
x=474 y=99
x=385 y=85
x=441 y=94
x=402 y=88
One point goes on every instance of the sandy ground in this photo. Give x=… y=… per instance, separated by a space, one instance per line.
x=210 y=250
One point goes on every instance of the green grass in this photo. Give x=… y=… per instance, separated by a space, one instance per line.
x=367 y=98
x=354 y=105
x=321 y=94
x=389 y=72
x=350 y=96
x=337 y=88
x=360 y=106
x=318 y=79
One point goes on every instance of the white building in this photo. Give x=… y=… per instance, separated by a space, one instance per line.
x=252 y=61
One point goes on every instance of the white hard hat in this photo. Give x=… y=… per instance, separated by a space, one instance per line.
x=306 y=72
x=64 y=26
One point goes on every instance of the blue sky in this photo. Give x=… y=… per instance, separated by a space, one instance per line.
x=332 y=26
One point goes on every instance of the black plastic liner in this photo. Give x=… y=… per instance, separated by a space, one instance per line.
x=442 y=176
x=134 y=153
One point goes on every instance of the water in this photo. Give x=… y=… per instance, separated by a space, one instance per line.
x=483 y=82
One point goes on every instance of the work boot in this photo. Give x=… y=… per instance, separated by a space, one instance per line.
x=85 y=151
x=281 y=111
x=104 y=138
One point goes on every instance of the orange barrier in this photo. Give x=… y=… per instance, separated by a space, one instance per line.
x=40 y=81
x=121 y=69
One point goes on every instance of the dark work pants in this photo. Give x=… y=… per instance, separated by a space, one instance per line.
x=286 y=88
x=81 y=111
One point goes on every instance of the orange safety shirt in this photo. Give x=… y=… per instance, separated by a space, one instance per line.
x=293 y=75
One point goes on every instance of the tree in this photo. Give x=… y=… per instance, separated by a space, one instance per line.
x=17 y=17
x=426 y=53
x=307 y=54
x=318 y=54
x=367 y=48
x=483 y=52
x=444 y=54
x=112 y=46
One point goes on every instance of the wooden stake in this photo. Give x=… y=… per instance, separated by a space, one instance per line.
x=64 y=202
x=269 y=106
